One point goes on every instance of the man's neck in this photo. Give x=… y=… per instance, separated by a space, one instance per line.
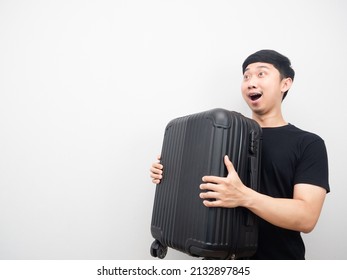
x=270 y=121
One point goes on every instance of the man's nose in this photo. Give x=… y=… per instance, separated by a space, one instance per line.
x=251 y=84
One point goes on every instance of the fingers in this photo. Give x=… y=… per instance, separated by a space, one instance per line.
x=211 y=195
x=157 y=168
x=209 y=186
x=215 y=188
x=212 y=203
x=212 y=179
x=156 y=181
x=211 y=199
x=216 y=179
x=156 y=172
x=228 y=164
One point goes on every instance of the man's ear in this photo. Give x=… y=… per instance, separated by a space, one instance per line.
x=286 y=84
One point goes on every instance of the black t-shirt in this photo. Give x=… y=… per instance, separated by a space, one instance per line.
x=289 y=156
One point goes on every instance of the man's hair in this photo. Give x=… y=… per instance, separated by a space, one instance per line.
x=279 y=61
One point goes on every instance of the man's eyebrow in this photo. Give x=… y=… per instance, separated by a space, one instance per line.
x=263 y=66
x=259 y=67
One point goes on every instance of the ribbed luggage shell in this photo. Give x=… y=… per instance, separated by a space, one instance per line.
x=195 y=146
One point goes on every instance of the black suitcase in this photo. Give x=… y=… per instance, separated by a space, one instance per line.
x=195 y=146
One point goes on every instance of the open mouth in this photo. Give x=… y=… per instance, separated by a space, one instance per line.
x=255 y=96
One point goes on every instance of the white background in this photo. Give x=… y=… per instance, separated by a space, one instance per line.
x=87 y=87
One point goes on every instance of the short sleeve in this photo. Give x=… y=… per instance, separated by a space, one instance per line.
x=312 y=167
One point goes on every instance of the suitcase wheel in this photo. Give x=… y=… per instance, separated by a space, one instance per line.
x=158 y=250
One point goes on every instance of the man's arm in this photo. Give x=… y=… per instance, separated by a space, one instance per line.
x=300 y=213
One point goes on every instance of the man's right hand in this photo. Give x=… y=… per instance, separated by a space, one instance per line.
x=156 y=171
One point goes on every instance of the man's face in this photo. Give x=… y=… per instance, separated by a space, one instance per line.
x=262 y=88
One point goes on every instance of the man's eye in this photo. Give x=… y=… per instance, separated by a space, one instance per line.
x=245 y=77
x=261 y=74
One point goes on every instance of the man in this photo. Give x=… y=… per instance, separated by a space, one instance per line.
x=294 y=175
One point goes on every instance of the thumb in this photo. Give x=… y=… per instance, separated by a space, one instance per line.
x=228 y=164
